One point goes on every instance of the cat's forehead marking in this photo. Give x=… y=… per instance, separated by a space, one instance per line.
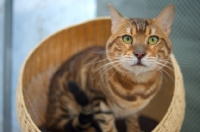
x=140 y=24
x=153 y=30
x=128 y=30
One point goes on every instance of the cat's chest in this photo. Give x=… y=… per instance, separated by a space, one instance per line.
x=127 y=109
x=128 y=97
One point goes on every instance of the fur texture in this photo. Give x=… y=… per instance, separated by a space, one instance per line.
x=113 y=82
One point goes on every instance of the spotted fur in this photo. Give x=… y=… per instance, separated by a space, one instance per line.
x=113 y=82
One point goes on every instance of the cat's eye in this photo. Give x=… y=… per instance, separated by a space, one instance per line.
x=127 y=39
x=153 y=40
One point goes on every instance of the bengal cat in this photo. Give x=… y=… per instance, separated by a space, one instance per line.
x=93 y=88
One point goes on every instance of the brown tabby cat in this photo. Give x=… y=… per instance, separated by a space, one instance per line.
x=117 y=84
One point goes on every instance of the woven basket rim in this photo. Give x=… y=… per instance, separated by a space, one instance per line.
x=175 y=67
x=20 y=95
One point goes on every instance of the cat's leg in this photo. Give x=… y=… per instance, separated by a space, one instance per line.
x=80 y=123
x=133 y=124
x=61 y=106
x=83 y=121
x=104 y=116
x=59 y=113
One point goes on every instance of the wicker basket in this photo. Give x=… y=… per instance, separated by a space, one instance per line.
x=168 y=107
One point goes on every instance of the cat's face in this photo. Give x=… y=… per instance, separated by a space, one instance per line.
x=140 y=45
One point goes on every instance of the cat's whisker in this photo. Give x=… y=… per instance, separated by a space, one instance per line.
x=168 y=74
x=107 y=64
x=104 y=72
x=112 y=75
x=157 y=59
x=103 y=67
x=162 y=62
x=113 y=58
x=159 y=69
x=124 y=65
x=164 y=65
x=99 y=70
x=121 y=66
x=108 y=69
x=163 y=70
x=179 y=60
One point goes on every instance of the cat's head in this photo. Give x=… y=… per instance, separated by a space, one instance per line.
x=140 y=45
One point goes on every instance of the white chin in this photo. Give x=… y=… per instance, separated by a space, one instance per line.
x=138 y=69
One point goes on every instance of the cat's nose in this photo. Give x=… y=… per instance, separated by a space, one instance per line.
x=139 y=54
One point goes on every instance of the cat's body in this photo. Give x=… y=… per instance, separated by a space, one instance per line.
x=119 y=83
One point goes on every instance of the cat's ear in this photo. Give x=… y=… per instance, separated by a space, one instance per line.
x=165 y=18
x=116 y=18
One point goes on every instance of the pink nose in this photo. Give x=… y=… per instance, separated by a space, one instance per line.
x=139 y=55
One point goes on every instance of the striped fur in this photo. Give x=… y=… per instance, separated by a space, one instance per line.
x=98 y=85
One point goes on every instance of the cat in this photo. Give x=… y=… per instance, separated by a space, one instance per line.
x=117 y=83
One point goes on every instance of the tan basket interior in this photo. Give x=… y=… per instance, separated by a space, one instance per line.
x=168 y=107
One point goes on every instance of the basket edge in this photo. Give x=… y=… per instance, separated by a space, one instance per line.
x=170 y=110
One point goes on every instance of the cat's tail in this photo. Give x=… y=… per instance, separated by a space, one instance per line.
x=85 y=118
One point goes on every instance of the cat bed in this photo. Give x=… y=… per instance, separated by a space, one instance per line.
x=167 y=108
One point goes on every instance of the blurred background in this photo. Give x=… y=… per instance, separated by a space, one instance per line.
x=23 y=24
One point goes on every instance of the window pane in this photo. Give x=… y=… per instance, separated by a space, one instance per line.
x=1 y=61
x=34 y=20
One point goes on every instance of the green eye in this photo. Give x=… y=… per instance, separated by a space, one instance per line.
x=153 y=40
x=127 y=39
